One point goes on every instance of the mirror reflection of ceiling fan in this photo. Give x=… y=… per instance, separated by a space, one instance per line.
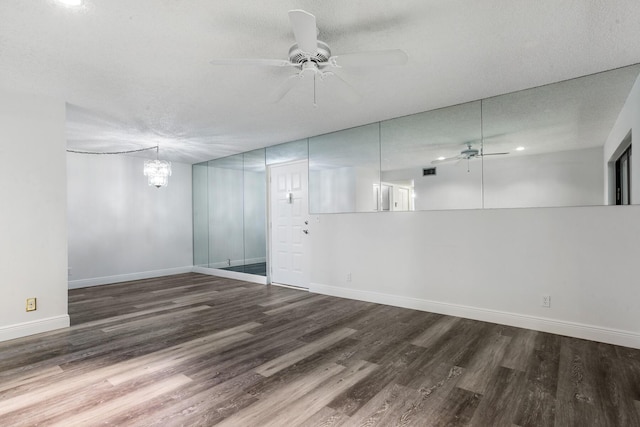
x=467 y=154
x=310 y=56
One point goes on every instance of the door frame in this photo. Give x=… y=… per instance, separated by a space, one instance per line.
x=269 y=222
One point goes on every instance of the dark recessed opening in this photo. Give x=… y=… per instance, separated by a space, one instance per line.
x=428 y=171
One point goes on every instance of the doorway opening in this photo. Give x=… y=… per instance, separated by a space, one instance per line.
x=623 y=178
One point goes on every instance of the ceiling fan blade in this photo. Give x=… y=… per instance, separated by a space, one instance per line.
x=304 y=30
x=345 y=90
x=366 y=59
x=257 y=62
x=493 y=154
x=447 y=160
x=284 y=88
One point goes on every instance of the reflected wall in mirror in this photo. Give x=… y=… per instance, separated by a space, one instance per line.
x=200 y=205
x=255 y=213
x=344 y=171
x=433 y=160
x=225 y=192
x=288 y=152
x=229 y=213
x=562 y=141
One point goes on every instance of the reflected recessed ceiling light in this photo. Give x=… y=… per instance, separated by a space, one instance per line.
x=71 y=2
x=519 y=148
x=440 y=158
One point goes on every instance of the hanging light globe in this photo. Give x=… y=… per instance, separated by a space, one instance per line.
x=157 y=172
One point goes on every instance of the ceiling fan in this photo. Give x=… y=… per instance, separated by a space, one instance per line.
x=466 y=154
x=310 y=56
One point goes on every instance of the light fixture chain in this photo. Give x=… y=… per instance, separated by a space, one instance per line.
x=115 y=152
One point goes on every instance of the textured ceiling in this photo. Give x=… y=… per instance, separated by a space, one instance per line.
x=137 y=73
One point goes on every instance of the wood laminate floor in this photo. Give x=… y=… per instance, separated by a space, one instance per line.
x=200 y=350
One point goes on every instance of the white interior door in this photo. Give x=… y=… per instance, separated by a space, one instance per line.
x=403 y=199
x=289 y=221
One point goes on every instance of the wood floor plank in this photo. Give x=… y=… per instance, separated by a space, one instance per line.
x=520 y=350
x=576 y=398
x=387 y=407
x=357 y=396
x=306 y=405
x=48 y=390
x=198 y=350
x=499 y=405
x=181 y=358
x=434 y=397
x=200 y=403
x=538 y=399
x=292 y=297
x=295 y=305
x=294 y=372
x=173 y=316
x=35 y=376
x=478 y=374
x=435 y=331
x=287 y=360
x=264 y=412
x=326 y=417
x=460 y=408
x=101 y=413
x=451 y=349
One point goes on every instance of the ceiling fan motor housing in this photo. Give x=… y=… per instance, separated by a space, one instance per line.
x=322 y=54
x=469 y=152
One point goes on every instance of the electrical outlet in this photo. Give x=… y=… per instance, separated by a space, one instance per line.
x=348 y=277
x=31 y=304
x=546 y=301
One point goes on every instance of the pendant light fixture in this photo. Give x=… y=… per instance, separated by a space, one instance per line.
x=157 y=171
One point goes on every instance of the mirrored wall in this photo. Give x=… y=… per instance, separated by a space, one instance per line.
x=229 y=213
x=564 y=144
x=344 y=171
x=422 y=159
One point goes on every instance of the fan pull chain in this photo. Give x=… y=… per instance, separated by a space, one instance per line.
x=314 y=90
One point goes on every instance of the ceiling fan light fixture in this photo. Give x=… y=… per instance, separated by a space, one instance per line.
x=310 y=55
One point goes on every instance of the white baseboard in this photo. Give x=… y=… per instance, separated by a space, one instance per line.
x=33 y=327
x=237 y=262
x=571 y=329
x=96 y=281
x=252 y=278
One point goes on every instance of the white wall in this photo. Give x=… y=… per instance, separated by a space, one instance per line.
x=122 y=229
x=33 y=233
x=628 y=120
x=492 y=265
